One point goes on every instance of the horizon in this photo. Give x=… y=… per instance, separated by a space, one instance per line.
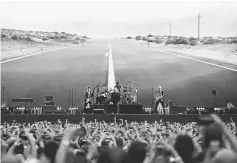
x=122 y=19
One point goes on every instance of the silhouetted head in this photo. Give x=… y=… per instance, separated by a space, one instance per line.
x=137 y=152
x=50 y=150
x=185 y=147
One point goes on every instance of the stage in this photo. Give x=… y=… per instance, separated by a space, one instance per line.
x=107 y=118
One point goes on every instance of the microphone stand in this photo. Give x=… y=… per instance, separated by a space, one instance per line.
x=215 y=100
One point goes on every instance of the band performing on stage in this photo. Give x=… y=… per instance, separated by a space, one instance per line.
x=120 y=95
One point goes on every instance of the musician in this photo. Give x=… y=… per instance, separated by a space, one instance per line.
x=115 y=98
x=88 y=100
x=118 y=86
x=159 y=99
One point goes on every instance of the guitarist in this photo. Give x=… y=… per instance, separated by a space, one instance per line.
x=88 y=100
x=159 y=99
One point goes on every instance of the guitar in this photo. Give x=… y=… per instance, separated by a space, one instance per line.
x=90 y=98
x=160 y=97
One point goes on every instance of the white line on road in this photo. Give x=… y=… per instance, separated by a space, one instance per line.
x=198 y=60
x=29 y=55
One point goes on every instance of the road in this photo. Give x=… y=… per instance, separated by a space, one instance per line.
x=189 y=83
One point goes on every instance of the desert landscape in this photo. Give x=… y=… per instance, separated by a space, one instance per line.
x=221 y=49
x=16 y=43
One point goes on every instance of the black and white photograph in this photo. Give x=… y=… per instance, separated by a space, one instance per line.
x=118 y=81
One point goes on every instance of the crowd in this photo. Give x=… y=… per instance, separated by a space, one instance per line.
x=207 y=141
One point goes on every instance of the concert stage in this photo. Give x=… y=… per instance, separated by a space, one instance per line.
x=107 y=118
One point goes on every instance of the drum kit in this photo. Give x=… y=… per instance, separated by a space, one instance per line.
x=127 y=96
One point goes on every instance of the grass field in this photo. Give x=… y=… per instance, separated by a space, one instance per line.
x=54 y=73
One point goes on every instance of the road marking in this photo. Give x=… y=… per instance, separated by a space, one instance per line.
x=227 y=68
x=29 y=55
x=198 y=60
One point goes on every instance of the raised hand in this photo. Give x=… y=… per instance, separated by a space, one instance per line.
x=71 y=133
x=93 y=152
x=216 y=118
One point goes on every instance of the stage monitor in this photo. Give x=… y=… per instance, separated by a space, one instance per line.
x=108 y=109
x=48 y=98
x=50 y=103
x=23 y=100
x=98 y=111
x=179 y=109
x=130 y=109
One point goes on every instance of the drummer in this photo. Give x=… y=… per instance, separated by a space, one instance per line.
x=101 y=98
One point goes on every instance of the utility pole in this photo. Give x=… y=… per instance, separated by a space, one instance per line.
x=199 y=16
x=170 y=29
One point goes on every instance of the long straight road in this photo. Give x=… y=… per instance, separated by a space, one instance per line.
x=55 y=73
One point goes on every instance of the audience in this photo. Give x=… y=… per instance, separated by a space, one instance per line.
x=100 y=142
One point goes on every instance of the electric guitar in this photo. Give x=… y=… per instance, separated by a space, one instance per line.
x=160 y=97
x=90 y=98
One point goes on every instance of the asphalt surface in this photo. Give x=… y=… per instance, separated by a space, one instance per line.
x=188 y=83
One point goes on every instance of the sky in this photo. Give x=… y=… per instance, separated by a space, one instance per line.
x=113 y=19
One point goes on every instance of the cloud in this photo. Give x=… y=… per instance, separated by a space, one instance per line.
x=122 y=18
